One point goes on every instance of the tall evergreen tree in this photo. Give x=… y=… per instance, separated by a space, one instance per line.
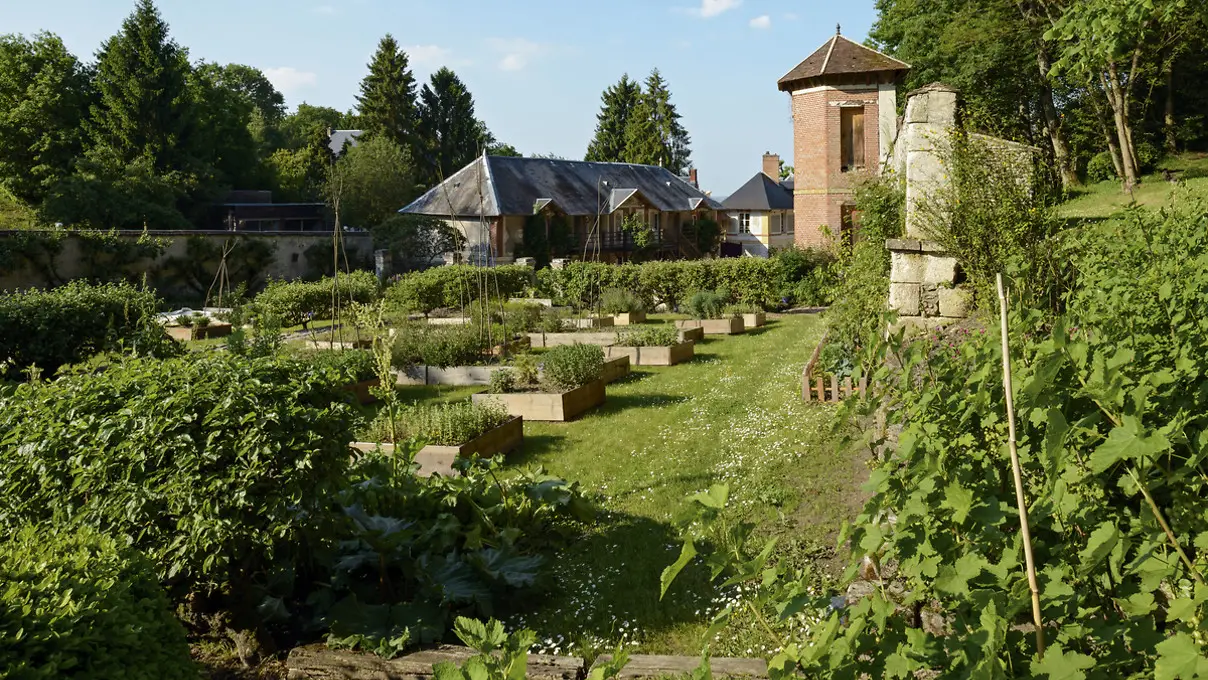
x=642 y=141
x=44 y=95
x=672 y=135
x=452 y=136
x=387 y=100
x=145 y=108
x=618 y=102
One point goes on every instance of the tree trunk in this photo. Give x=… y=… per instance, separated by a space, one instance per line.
x=1052 y=123
x=1172 y=142
x=1118 y=100
x=1105 y=128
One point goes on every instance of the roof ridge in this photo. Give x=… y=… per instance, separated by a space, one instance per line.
x=875 y=51
x=829 y=52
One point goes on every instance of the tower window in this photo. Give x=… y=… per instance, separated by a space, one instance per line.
x=851 y=127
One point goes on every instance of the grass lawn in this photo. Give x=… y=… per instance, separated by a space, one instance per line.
x=1106 y=198
x=734 y=414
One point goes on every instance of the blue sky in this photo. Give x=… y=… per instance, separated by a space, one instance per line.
x=536 y=67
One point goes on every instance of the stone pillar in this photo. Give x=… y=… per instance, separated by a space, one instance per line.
x=924 y=280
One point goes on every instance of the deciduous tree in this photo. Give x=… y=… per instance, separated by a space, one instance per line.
x=374 y=179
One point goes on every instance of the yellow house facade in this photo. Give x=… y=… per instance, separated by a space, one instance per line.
x=760 y=217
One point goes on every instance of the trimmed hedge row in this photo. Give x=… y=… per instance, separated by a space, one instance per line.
x=75 y=604
x=69 y=324
x=214 y=465
x=297 y=301
x=454 y=286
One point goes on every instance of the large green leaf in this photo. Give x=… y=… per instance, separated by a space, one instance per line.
x=1127 y=442
x=687 y=552
x=1180 y=658
x=1059 y=664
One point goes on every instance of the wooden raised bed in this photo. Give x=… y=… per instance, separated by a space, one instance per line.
x=589 y=322
x=755 y=320
x=549 y=406
x=629 y=318
x=186 y=333
x=731 y=326
x=458 y=376
x=654 y=356
x=434 y=459
x=691 y=334
x=615 y=368
x=361 y=390
x=824 y=390
x=319 y=661
x=449 y=321
x=545 y=340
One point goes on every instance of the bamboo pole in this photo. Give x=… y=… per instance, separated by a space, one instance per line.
x=1015 y=469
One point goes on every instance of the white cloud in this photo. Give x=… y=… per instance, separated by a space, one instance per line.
x=712 y=8
x=764 y=21
x=431 y=55
x=517 y=53
x=289 y=80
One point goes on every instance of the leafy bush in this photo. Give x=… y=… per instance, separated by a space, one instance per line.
x=808 y=277
x=1101 y=167
x=454 y=286
x=522 y=317
x=345 y=366
x=50 y=328
x=706 y=304
x=552 y=321
x=297 y=302
x=1197 y=172
x=75 y=604
x=621 y=301
x=421 y=344
x=740 y=309
x=213 y=465
x=527 y=369
x=502 y=381
x=570 y=366
x=448 y=424
x=661 y=335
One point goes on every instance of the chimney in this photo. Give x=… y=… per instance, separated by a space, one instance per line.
x=692 y=178
x=771 y=165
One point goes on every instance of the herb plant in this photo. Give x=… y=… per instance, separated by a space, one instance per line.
x=568 y=367
x=659 y=335
x=621 y=301
x=706 y=304
x=450 y=424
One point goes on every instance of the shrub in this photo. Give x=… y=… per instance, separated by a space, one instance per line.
x=213 y=465
x=502 y=381
x=75 y=604
x=1197 y=172
x=570 y=366
x=662 y=335
x=621 y=301
x=552 y=321
x=49 y=328
x=297 y=302
x=527 y=369
x=738 y=309
x=706 y=304
x=449 y=424
x=1101 y=168
x=454 y=286
x=807 y=277
x=345 y=366
x=441 y=346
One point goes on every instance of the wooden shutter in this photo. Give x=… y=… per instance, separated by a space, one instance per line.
x=857 y=134
x=846 y=157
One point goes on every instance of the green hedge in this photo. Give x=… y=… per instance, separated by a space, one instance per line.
x=454 y=286
x=213 y=465
x=295 y=302
x=73 y=604
x=768 y=283
x=51 y=328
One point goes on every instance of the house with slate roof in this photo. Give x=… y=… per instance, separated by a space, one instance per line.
x=760 y=212
x=580 y=205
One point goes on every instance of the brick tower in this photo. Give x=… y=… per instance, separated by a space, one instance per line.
x=844 y=102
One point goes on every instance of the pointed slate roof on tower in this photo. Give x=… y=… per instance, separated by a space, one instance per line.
x=840 y=56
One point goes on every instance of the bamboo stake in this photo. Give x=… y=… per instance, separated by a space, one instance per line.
x=1015 y=469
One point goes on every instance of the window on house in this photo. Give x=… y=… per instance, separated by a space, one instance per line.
x=791 y=221
x=744 y=223
x=777 y=223
x=851 y=131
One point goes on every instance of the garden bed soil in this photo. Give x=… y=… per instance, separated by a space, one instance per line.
x=731 y=326
x=434 y=459
x=615 y=368
x=755 y=320
x=456 y=376
x=361 y=390
x=546 y=340
x=654 y=356
x=187 y=333
x=629 y=319
x=549 y=406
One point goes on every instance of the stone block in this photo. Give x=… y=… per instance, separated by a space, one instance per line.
x=954 y=302
x=904 y=298
x=940 y=270
x=907 y=268
x=903 y=244
x=929 y=299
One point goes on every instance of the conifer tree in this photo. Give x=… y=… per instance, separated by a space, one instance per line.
x=387 y=103
x=451 y=134
x=643 y=144
x=145 y=108
x=672 y=135
x=617 y=104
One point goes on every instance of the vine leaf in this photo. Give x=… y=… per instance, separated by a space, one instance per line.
x=959 y=500
x=1127 y=442
x=1102 y=541
x=1061 y=665
x=955 y=580
x=1179 y=658
x=669 y=574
